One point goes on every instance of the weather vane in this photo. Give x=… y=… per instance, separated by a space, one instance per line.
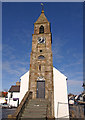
x=42 y=6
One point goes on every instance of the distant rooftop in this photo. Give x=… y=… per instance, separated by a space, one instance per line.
x=14 y=88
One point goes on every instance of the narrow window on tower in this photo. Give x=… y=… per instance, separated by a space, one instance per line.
x=40 y=67
x=41 y=29
x=40 y=50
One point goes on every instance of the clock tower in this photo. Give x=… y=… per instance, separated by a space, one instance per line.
x=41 y=64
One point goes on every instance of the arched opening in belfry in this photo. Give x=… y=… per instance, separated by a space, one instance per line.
x=41 y=29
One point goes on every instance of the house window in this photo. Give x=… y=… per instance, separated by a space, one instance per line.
x=41 y=57
x=41 y=29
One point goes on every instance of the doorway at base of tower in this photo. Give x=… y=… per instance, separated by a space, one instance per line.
x=40 y=89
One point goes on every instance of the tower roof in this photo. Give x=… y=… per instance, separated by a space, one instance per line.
x=42 y=18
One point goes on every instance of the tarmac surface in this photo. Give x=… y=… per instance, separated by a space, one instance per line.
x=6 y=111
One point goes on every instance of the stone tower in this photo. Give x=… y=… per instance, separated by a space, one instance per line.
x=41 y=65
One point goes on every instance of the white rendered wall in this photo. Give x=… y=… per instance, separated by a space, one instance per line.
x=60 y=95
x=2 y=100
x=24 y=85
x=11 y=101
x=9 y=94
x=8 y=99
x=16 y=94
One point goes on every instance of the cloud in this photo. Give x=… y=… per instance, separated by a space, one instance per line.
x=57 y=49
x=12 y=64
x=22 y=36
x=8 y=51
x=72 y=64
x=14 y=67
x=75 y=86
x=75 y=82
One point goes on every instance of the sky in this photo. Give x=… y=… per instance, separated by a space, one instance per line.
x=67 y=40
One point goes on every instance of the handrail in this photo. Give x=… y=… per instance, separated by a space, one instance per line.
x=20 y=108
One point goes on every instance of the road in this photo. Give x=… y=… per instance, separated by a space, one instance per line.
x=6 y=112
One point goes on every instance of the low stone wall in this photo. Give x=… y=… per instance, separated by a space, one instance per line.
x=77 y=111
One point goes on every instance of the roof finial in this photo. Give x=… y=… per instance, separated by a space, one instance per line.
x=42 y=7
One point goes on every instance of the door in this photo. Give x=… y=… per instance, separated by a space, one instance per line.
x=40 y=89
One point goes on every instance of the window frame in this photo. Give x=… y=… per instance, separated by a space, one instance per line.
x=41 y=29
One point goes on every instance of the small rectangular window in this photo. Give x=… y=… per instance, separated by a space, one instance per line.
x=40 y=50
x=40 y=67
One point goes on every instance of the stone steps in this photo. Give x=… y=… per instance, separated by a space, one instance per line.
x=33 y=118
x=31 y=110
x=34 y=111
x=41 y=118
x=34 y=114
x=36 y=108
x=37 y=104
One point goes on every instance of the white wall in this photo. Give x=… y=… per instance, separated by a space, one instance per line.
x=2 y=100
x=24 y=85
x=11 y=101
x=9 y=94
x=16 y=94
x=60 y=95
x=8 y=99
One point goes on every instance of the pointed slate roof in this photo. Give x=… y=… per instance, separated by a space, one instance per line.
x=42 y=18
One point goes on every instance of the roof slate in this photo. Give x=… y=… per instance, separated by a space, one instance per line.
x=42 y=18
x=14 y=88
